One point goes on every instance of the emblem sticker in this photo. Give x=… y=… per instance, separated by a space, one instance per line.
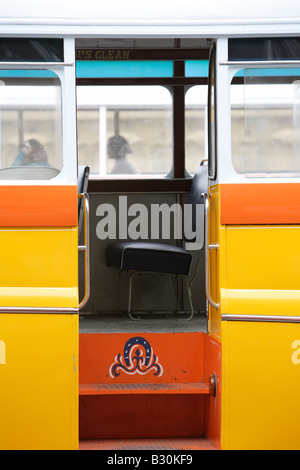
x=2 y=353
x=137 y=358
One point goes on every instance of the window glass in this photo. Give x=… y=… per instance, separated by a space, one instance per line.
x=31 y=50
x=125 y=130
x=195 y=127
x=30 y=125
x=264 y=48
x=265 y=121
x=212 y=125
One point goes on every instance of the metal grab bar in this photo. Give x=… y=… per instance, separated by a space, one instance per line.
x=255 y=63
x=86 y=248
x=33 y=65
x=208 y=247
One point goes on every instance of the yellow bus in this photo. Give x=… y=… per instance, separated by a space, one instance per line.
x=149 y=225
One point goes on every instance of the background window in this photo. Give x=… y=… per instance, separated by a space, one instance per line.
x=30 y=125
x=125 y=130
x=195 y=127
x=265 y=118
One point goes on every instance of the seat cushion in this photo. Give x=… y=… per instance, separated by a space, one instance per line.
x=149 y=257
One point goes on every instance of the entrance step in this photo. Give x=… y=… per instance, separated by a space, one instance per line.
x=193 y=443
x=134 y=388
x=147 y=388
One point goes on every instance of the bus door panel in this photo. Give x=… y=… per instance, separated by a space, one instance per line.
x=39 y=252
x=38 y=380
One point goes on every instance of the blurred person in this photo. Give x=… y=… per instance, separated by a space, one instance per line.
x=32 y=153
x=118 y=148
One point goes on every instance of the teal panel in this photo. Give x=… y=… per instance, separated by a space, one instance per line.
x=124 y=69
x=196 y=68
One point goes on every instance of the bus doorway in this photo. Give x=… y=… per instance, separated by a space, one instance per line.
x=141 y=128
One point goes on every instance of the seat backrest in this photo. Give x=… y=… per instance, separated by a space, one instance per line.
x=82 y=185
x=199 y=186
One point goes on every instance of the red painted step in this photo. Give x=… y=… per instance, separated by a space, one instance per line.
x=194 y=443
x=108 y=389
x=148 y=390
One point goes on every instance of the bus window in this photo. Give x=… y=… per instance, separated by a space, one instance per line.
x=125 y=130
x=265 y=121
x=30 y=125
x=195 y=127
x=212 y=125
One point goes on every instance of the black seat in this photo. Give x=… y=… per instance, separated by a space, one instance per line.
x=140 y=257
x=149 y=257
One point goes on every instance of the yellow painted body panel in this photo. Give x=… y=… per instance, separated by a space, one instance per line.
x=263 y=270
x=38 y=267
x=263 y=257
x=261 y=302
x=38 y=381
x=38 y=351
x=260 y=385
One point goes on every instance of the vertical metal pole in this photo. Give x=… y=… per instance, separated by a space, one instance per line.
x=102 y=140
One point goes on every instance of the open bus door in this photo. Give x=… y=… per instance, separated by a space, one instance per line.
x=39 y=246
x=252 y=244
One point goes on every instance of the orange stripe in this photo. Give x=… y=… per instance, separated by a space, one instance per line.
x=38 y=206
x=262 y=203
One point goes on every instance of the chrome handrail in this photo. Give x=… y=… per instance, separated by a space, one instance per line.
x=86 y=249
x=33 y=65
x=45 y=310
x=208 y=247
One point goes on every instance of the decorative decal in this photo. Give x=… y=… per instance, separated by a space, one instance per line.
x=2 y=353
x=296 y=354
x=137 y=358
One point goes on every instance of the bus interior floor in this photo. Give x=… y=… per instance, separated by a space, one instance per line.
x=151 y=323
